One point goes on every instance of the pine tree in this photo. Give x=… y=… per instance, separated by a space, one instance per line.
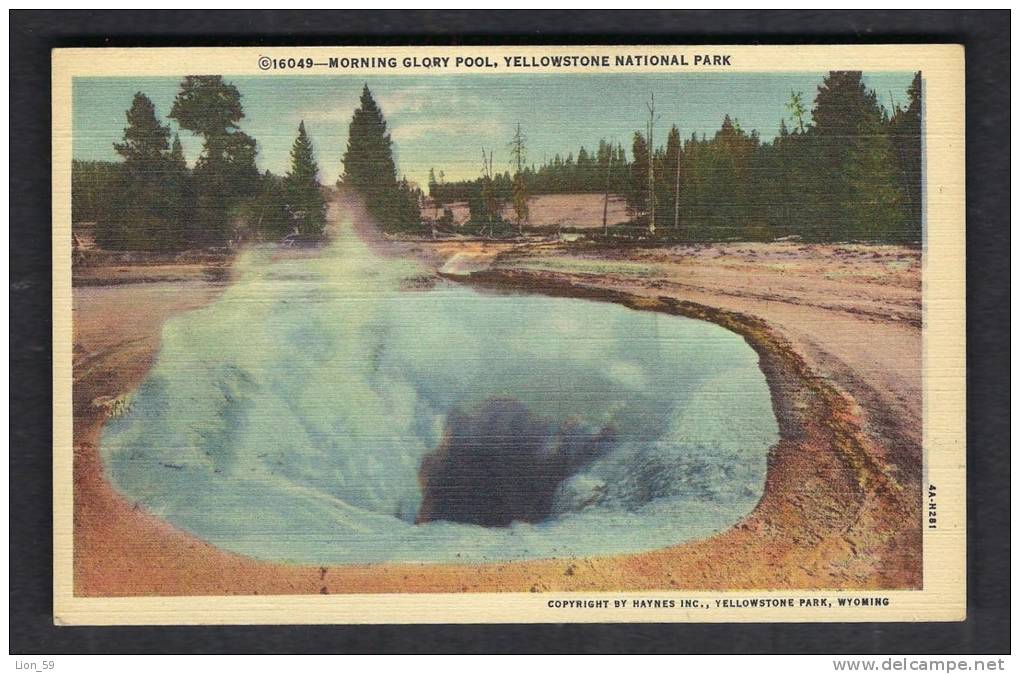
x=369 y=169
x=905 y=132
x=146 y=140
x=694 y=211
x=368 y=162
x=604 y=159
x=270 y=212
x=637 y=192
x=225 y=173
x=94 y=184
x=797 y=110
x=305 y=202
x=180 y=195
x=860 y=189
x=484 y=202
x=842 y=104
x=670 y=199
x=177 y=154
x=146 y=211
x=583 y=180
x=872 y=196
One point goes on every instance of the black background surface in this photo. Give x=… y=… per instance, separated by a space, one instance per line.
x=987 y=39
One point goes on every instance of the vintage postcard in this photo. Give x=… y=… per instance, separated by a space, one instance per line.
x=509 y=334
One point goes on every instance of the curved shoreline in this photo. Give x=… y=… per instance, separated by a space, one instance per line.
x=779 y=362
x=832 y=514
x=811 y=412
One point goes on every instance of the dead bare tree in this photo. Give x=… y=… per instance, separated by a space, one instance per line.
x=487 y=164
x=651 y=163
x=520 y=186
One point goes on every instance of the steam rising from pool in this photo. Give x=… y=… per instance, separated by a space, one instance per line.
x=288 y=420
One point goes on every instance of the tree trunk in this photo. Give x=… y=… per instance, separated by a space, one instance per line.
x=676 y=196
x=651 y=179
x=605 y=203
x=651 y=165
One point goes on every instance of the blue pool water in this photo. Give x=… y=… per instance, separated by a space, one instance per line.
x=288 y=419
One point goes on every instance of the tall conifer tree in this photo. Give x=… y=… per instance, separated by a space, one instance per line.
x=905 y=131
x=305 y=202
x=860 y=187
x=226 y=173
x=637 y=193
x=369 y=169
x=146 y=212
x=146 y=140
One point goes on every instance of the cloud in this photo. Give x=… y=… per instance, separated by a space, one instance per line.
x=411 y=100
x=428 y=100
x=413 y=112
x=336 y=116
x=447 y=128
x=426 y=124
x=426 y=112
x=328 y=111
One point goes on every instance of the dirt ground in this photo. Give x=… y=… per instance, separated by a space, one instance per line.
x=572 y=211
x=838 y=332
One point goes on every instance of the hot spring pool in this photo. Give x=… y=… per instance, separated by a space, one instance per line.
x=289 y=419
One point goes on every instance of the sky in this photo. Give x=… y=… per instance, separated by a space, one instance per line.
x=444 y=121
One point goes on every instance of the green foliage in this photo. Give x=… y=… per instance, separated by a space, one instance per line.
x=149 y=198
x=556 y=176
x=520 y=200
x=304 y=200
x=179 y=190
x=369 y=169
x=721 y=201
x=207 y=106
x=862 y=195
x=519 y=188
x=225 y=173
x=153 y=201
x=849 y=170
x=92 y=185
x=146 y=141
x=796 y=108
x=637 y=190
x=266 y=216
x=485 y=205
x=789 y=186
x=486 y=211
x=872 y=205
x=406 y=208
x=905 y=134
x=669 y=166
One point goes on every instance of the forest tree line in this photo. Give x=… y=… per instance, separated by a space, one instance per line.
x=848 y=169
x=588 y=173
x=152 y=199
